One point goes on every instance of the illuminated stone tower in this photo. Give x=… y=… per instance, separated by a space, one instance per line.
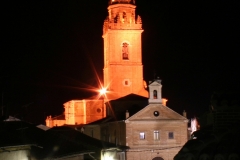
x=123 y=69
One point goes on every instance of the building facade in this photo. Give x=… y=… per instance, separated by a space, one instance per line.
x=153 y=132
x=79 y=112
x=156 y=131
x=123 y=69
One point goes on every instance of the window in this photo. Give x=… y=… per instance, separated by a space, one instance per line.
x=156 y=135
x=170 y=135
x=99 y=110
x=125 y=51
x=142 y=135
x=126 y=82
x=154 y=94
x=124 y=17
x=156 y=113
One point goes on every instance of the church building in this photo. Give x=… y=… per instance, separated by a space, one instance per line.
x=123 y=69
x=128 y=114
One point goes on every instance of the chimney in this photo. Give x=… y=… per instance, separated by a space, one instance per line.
x=164 y=101
x=127 y=114
x=184 y=113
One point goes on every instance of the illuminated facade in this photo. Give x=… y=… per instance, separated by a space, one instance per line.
x=79 y=112
x=154 y=132
x=123 y=69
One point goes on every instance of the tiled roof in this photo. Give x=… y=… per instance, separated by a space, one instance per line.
x=104 y=120
x=55 y=142
x=131 y=103
x=78 y=137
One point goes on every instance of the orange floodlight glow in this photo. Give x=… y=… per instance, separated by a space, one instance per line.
x=103 y=91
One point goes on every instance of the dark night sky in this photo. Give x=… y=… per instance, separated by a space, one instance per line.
x=51 y=49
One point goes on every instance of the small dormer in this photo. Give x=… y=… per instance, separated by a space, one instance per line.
x=155 y=91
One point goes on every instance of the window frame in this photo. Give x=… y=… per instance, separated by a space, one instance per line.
x=156 y=135
x=125 y=53
x=142 y=135
x=170 y=135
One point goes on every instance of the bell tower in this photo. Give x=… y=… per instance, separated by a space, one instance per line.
x=123 y=69
x=155 y=92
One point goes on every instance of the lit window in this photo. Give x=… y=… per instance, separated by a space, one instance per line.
x=156 y=135
x=170 y=135
x=142 y=135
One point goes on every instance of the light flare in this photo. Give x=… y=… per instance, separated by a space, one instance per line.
x=103 y=91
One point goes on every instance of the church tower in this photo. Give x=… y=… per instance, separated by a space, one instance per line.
x=123 y=69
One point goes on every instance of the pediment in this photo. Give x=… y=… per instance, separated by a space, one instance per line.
x=156 y=112
x=155 y=83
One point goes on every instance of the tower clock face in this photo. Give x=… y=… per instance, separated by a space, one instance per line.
x=156 y=113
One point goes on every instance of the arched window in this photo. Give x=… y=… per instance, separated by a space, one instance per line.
x=155 y=94
x=125 y=51
x=158 y=158
x=124 y=17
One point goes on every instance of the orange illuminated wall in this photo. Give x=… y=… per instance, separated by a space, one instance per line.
x=84 y=111
x=79 y=112
x=54 y=121
x=123 y=69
